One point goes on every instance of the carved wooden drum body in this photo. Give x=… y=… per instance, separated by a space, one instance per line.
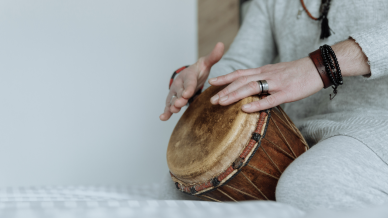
x=221 y=153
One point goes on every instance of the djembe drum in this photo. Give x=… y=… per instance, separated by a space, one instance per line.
x=221 y=153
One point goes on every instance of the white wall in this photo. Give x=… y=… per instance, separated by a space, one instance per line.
x=82 y=83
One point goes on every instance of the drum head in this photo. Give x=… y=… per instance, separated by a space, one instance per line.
x=208 y=138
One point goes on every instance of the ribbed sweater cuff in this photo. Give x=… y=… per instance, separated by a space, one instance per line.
x=374 y=44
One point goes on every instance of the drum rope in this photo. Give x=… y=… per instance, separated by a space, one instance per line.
x=211 y=198
x=226 y=194
x=263 y=172
x=293 y=125
x=288 y=125
x=285 y=152
x=202 y=197
x=271 y=160
x=242 y=192
x=254 y=185
x=284 y=138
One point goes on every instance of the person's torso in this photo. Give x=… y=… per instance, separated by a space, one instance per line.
x=296 y=38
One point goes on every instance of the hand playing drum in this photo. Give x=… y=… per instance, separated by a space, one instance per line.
x=234 y=142
x=189 y=81
x=219 y=152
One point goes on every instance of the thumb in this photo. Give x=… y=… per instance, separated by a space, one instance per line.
x=215 y=55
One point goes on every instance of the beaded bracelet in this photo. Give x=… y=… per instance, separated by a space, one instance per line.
x=172 y=80
x=328 y=68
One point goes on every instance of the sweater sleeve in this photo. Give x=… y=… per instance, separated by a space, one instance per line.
x=253 y=46
x=374 y=43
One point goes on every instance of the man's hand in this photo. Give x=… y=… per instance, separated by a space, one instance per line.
x=188 y=82
x=288 y=81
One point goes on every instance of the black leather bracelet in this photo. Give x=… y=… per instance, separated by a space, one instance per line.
x=328 y=68
x=332 y=67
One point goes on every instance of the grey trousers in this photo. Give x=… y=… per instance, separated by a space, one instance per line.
x=339 y=172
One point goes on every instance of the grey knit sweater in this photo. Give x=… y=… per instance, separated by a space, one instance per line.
x=360 y=109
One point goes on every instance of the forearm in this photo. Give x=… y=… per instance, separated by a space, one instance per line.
x=351 y=58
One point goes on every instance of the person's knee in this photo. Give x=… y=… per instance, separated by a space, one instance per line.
x=329 y=175
x=296 y=187
x=307 y=183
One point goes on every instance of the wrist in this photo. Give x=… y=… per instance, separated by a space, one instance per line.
x=320 y=69
x=352 y=59
x=327 y=65
x=311 y=70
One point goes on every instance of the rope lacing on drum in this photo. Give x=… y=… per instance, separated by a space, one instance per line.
x=210 y=198
x=262 y=171
x=296 y=131
x=272 y=161
x=284 y=138
x=281 y=149
x=226 y=195
x=242 y=192
x=254 y=185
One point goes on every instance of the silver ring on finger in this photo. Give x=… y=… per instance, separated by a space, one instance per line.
x=264 y=87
